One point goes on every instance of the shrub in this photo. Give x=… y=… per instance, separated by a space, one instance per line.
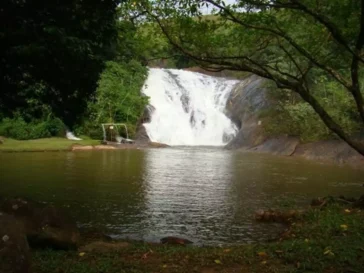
x=91 y=129
x=17 y=128
x=56 y=127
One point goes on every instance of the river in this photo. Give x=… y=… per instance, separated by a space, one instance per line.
x=207 y=195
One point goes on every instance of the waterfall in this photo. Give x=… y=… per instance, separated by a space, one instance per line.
x=188 y=108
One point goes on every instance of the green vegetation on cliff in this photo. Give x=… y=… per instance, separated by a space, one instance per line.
x=290 y=115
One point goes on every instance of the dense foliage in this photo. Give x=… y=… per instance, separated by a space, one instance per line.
x=51 y=58
x=117 y=98
x=58 y=45
x=18 y=128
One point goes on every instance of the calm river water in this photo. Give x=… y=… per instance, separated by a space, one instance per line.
x=207 y=195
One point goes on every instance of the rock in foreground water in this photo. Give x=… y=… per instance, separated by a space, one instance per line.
x=45 y=226
x=14 y=249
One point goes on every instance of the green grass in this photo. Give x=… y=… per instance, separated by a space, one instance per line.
x=329 y=240
x=44 y=144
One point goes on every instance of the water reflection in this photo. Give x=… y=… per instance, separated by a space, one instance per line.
x=206 y=195
x=187 y=192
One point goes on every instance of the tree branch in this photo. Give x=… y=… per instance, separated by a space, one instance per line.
x=355 y=90
x=327 y=119
x=287 y=38
x=325 y=21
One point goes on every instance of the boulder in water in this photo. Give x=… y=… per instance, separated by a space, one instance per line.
x=14 y=249
x=45 y=225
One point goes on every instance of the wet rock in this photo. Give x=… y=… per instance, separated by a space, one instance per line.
x=334 y=151
x=245 y=103
x=283 y=145
x=277 y=216
x=14 y=249
x=157 y=145
x=317 y=202
x=359 y=203
x=141 y=136
x=45 y=225
x=171 y=240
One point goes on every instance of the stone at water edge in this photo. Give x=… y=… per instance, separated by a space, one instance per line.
x=45 y=226
x=277 y=216
x=14 y=249
x=317 y=202
x=157 y=145
x=171 y=240
x=359 y=203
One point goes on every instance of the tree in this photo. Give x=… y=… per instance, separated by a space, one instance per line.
x=291 y=42
x=118 y=96
x=59 y=45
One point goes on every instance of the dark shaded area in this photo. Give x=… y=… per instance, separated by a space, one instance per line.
x=51 y=53
x=44 y=225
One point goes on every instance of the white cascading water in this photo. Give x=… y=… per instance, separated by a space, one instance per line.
x=188 y=108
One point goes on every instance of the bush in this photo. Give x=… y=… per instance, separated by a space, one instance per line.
x=17 y=128
x=38 y=130
x=56 y=127
x=14 y=128
x=91 y=129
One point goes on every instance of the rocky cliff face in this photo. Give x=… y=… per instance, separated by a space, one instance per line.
x=141 y=136
x=244 y=106
x=245 y=103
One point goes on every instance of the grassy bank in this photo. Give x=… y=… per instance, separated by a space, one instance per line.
x=44 y=144
x=324 y=240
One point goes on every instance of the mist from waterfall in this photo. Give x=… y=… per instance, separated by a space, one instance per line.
x=188 y=108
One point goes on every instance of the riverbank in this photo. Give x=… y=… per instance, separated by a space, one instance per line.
x=326 y=151
x=44 y=144
x=63 y=144
x=325 y=239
